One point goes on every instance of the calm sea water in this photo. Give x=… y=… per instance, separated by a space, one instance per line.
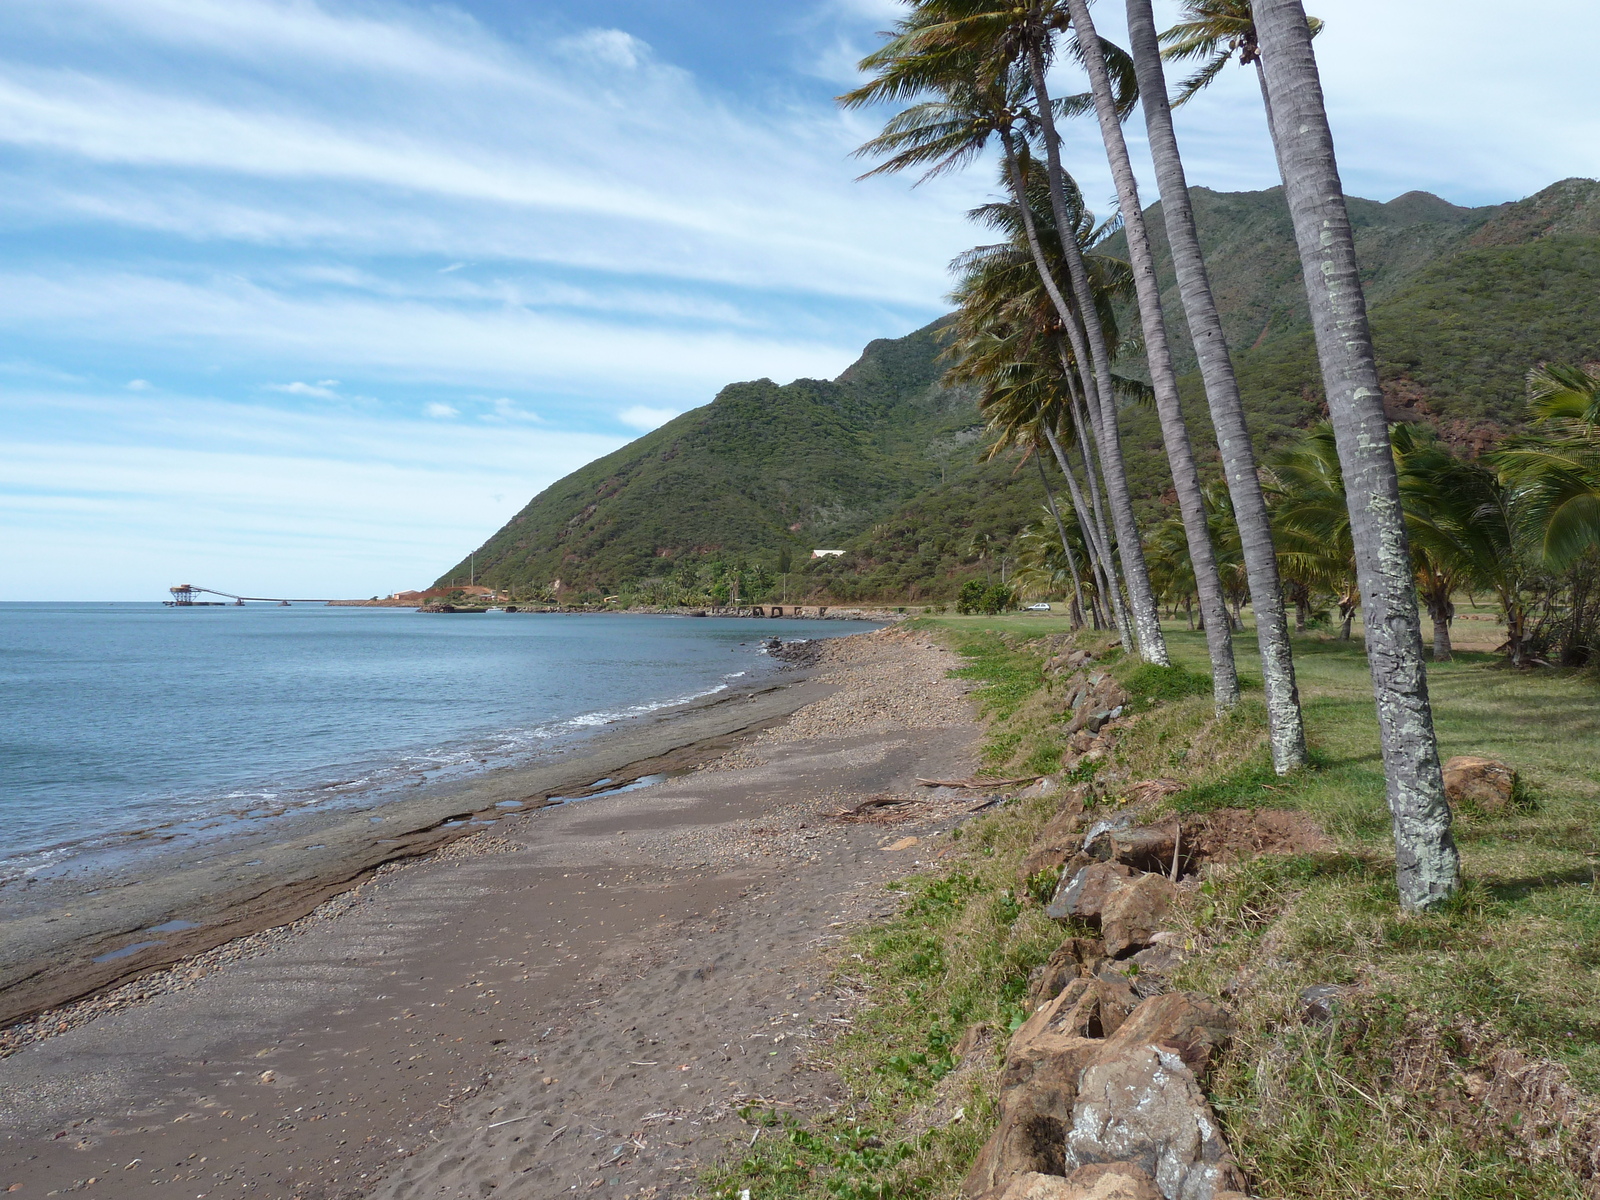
x=119 y=717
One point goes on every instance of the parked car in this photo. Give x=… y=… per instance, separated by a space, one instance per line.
x=1039 y=607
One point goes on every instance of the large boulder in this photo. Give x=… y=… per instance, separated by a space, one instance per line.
x=1132 y=914
x=1143 y=1106
x=1083 y=894
x=1038 y=1093
x=1482 y=784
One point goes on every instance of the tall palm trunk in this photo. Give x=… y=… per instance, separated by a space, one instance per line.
x=1061 y=528
x=1086 y=428
x=1067 y=238
x=1441 y=614
x=1147 y=621
x=1286 y=726
x=1426 y=861
x=1164 y=380
x=1097 y=547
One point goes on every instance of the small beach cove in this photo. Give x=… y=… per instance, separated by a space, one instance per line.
x=467 y=1016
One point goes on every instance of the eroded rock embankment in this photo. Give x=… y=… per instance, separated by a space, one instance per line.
x=1101 y=1096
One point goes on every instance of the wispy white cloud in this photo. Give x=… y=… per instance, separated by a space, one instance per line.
x=642 y=416
x=442 y=412
x=321 y=391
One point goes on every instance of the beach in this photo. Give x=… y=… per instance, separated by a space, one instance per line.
x=574 y=998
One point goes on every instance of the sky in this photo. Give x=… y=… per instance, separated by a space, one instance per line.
x=307 y=297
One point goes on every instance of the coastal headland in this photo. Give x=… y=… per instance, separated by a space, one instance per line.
x=579 y=996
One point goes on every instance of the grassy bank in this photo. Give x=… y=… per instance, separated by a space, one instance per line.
x=1468 y=1042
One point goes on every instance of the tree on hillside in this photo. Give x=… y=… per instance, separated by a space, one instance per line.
x=1426 y=859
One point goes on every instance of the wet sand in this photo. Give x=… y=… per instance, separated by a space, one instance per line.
x=273 y=871
x=574 y=1001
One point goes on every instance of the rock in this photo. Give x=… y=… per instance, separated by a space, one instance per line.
x=1184 y=1022
x=1143 y=1106
x=1058 y=840
x=1031 y=1185
x=1080 y=742
x=1078 y=657
x=1084 y=894
x=1111 y=1181
x=1320 y=1003
x=1151 y=791
x=1099 y=1181
x=1099 y=717
x=1077 y=956
x=1044 y=1019
x=1158 y=960
x=1038 y=1091
x=1482 y=784
x=1110 y=695
x=1147 y=848
x=1133 y=913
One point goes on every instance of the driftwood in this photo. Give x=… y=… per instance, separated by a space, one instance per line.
x=872 y=802
x=976 y=784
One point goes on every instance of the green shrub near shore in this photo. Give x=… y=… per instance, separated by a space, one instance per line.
x=1373 y=1105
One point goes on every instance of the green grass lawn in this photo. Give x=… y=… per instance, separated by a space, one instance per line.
x=1373 y=1106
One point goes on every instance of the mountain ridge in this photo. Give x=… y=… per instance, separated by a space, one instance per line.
x=882 y=461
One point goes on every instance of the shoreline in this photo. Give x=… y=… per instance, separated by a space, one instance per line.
x=581 y=999
x=78 y=937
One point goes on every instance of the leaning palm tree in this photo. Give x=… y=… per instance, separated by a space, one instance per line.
x=1158 y=354
x=950 y=42
x=1427 y=862
x=1007 y=329
x=1286 y=725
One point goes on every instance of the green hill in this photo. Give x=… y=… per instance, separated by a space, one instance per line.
x=884 y=462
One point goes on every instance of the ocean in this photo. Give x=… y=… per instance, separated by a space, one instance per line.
x=123 y=723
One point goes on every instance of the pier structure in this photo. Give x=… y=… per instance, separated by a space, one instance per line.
x=184 y=596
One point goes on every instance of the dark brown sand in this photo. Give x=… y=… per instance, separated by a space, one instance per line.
x=276 y=871
x=573 y=1003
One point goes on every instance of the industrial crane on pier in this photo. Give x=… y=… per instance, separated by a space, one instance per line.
x=183 y=596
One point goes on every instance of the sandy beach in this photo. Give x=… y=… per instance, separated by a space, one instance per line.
x=573 y=1001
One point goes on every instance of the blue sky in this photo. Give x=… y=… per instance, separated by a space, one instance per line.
x=309 y=296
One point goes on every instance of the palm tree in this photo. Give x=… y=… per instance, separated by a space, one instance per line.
x=1557 y=466
x=976 y=99
x=1426 y=860
x=1215 y=30
x=1286 y=725
x=1007 y=324
x=1158 y=356
x=993 y=37
x=1311 y=519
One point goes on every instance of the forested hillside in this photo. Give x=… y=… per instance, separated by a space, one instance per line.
x=884 y=461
